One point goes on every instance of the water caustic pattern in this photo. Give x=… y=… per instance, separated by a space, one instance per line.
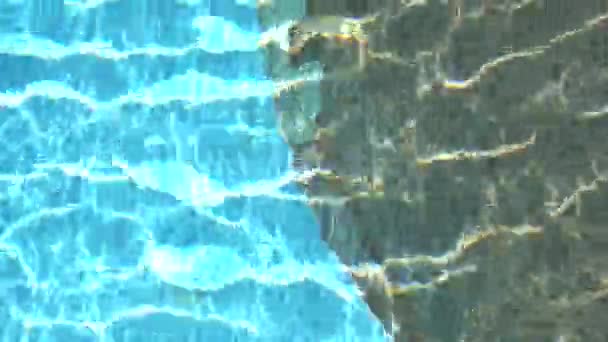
x=145 y=194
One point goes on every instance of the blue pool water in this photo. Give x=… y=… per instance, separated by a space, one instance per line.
x=145 y=193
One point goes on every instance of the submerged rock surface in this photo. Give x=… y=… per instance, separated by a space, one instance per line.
x=458 y=159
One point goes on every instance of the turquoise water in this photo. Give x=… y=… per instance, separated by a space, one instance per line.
x=145 y=193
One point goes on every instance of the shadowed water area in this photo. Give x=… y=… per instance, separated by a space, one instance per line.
x=457 y=160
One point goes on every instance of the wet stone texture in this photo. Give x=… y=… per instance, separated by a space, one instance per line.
x=458 y=160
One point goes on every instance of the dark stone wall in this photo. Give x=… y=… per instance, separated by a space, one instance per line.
x=462 y=146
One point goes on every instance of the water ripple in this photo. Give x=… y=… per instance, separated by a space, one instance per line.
x=145 y=193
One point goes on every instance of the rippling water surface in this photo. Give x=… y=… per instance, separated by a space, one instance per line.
x=145 y=194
